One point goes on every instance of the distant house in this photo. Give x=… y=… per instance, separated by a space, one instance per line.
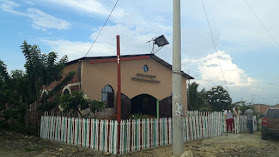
x=261 y=108
x=146 y=84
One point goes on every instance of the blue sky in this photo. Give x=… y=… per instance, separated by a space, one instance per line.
x=247 y=51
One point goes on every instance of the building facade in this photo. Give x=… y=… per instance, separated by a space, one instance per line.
x=146 y=84
x=262 y=108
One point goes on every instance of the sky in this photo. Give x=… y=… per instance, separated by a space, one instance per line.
x=246 y=35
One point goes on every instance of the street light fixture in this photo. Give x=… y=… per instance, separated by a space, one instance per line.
x=160 y=41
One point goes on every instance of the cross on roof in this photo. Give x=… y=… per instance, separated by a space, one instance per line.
x=118 y=59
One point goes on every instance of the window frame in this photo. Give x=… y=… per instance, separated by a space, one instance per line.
x=107 y=96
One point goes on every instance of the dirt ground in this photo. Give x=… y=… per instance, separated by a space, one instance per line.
x=229 y=145
x=13 y=144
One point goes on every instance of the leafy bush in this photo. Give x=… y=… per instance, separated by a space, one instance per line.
x=30 y=149
x=141 y=116
x=113 y=117
x=18 y=127
x=4 y=125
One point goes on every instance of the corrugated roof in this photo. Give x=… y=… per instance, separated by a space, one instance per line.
x=152 y=56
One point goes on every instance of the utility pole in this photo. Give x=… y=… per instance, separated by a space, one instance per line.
x=177 y=113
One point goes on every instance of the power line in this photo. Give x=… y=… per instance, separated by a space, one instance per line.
x=262 y=24
x=214 y=44
x=101 y=28
x=78 y=65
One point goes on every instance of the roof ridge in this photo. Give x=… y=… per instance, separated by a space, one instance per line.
x=152 y=56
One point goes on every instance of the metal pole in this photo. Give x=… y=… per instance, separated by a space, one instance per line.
x=177 y=113
x=118 y=92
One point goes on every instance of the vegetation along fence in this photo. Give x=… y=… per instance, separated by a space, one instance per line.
x=136 y=134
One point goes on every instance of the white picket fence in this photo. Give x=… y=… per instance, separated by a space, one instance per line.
x=142 y=134
x=240 y=124
x=137 y=134
x=92 y=133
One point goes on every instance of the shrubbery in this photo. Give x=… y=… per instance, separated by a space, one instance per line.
x=141 y=116
x=19 y=128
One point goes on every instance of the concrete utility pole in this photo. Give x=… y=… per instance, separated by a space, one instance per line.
x=177 y=113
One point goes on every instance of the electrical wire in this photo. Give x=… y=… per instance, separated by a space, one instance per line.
x=78 y=65
x=101 y=29
x=214 y=44
x=158 y=50
x=262 y=24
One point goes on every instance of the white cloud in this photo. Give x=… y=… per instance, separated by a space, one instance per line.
x=131 y=42
x=77 y=49
x=144 y=17
x=40 y=20
x=210 y=73
x=239 y=84
x=8 y=6
x=43 y=21
x=87 y=6
x=233 y=75
x=28 y=2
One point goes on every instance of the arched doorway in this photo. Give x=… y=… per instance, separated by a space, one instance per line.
x=144 y=104
x=125 y=106
x=165 y=109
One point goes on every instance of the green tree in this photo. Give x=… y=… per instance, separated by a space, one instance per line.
x=3 y=85
x=41 y=69
x=243 y=106
x=78 y=101
x=12 y=87
x=20 y=89
x=4 y=76
x=218 y=98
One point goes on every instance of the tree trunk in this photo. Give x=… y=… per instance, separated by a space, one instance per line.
x=79 y=112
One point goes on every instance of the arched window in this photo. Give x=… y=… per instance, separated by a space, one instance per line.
x=44 y=96
x=66 y=91
x=108 y=96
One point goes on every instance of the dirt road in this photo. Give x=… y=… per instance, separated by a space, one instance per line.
x=12 y=144
x=17 y=145
x=238 y=145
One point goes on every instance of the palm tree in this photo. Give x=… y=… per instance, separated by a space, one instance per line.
x=195 y=98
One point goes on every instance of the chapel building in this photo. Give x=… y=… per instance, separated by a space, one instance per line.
x=146 y=84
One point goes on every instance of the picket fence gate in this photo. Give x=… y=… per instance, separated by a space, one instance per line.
x=136 y=134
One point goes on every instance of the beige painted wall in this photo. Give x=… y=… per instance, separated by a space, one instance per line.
x=66 y=70
x=96 y=76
